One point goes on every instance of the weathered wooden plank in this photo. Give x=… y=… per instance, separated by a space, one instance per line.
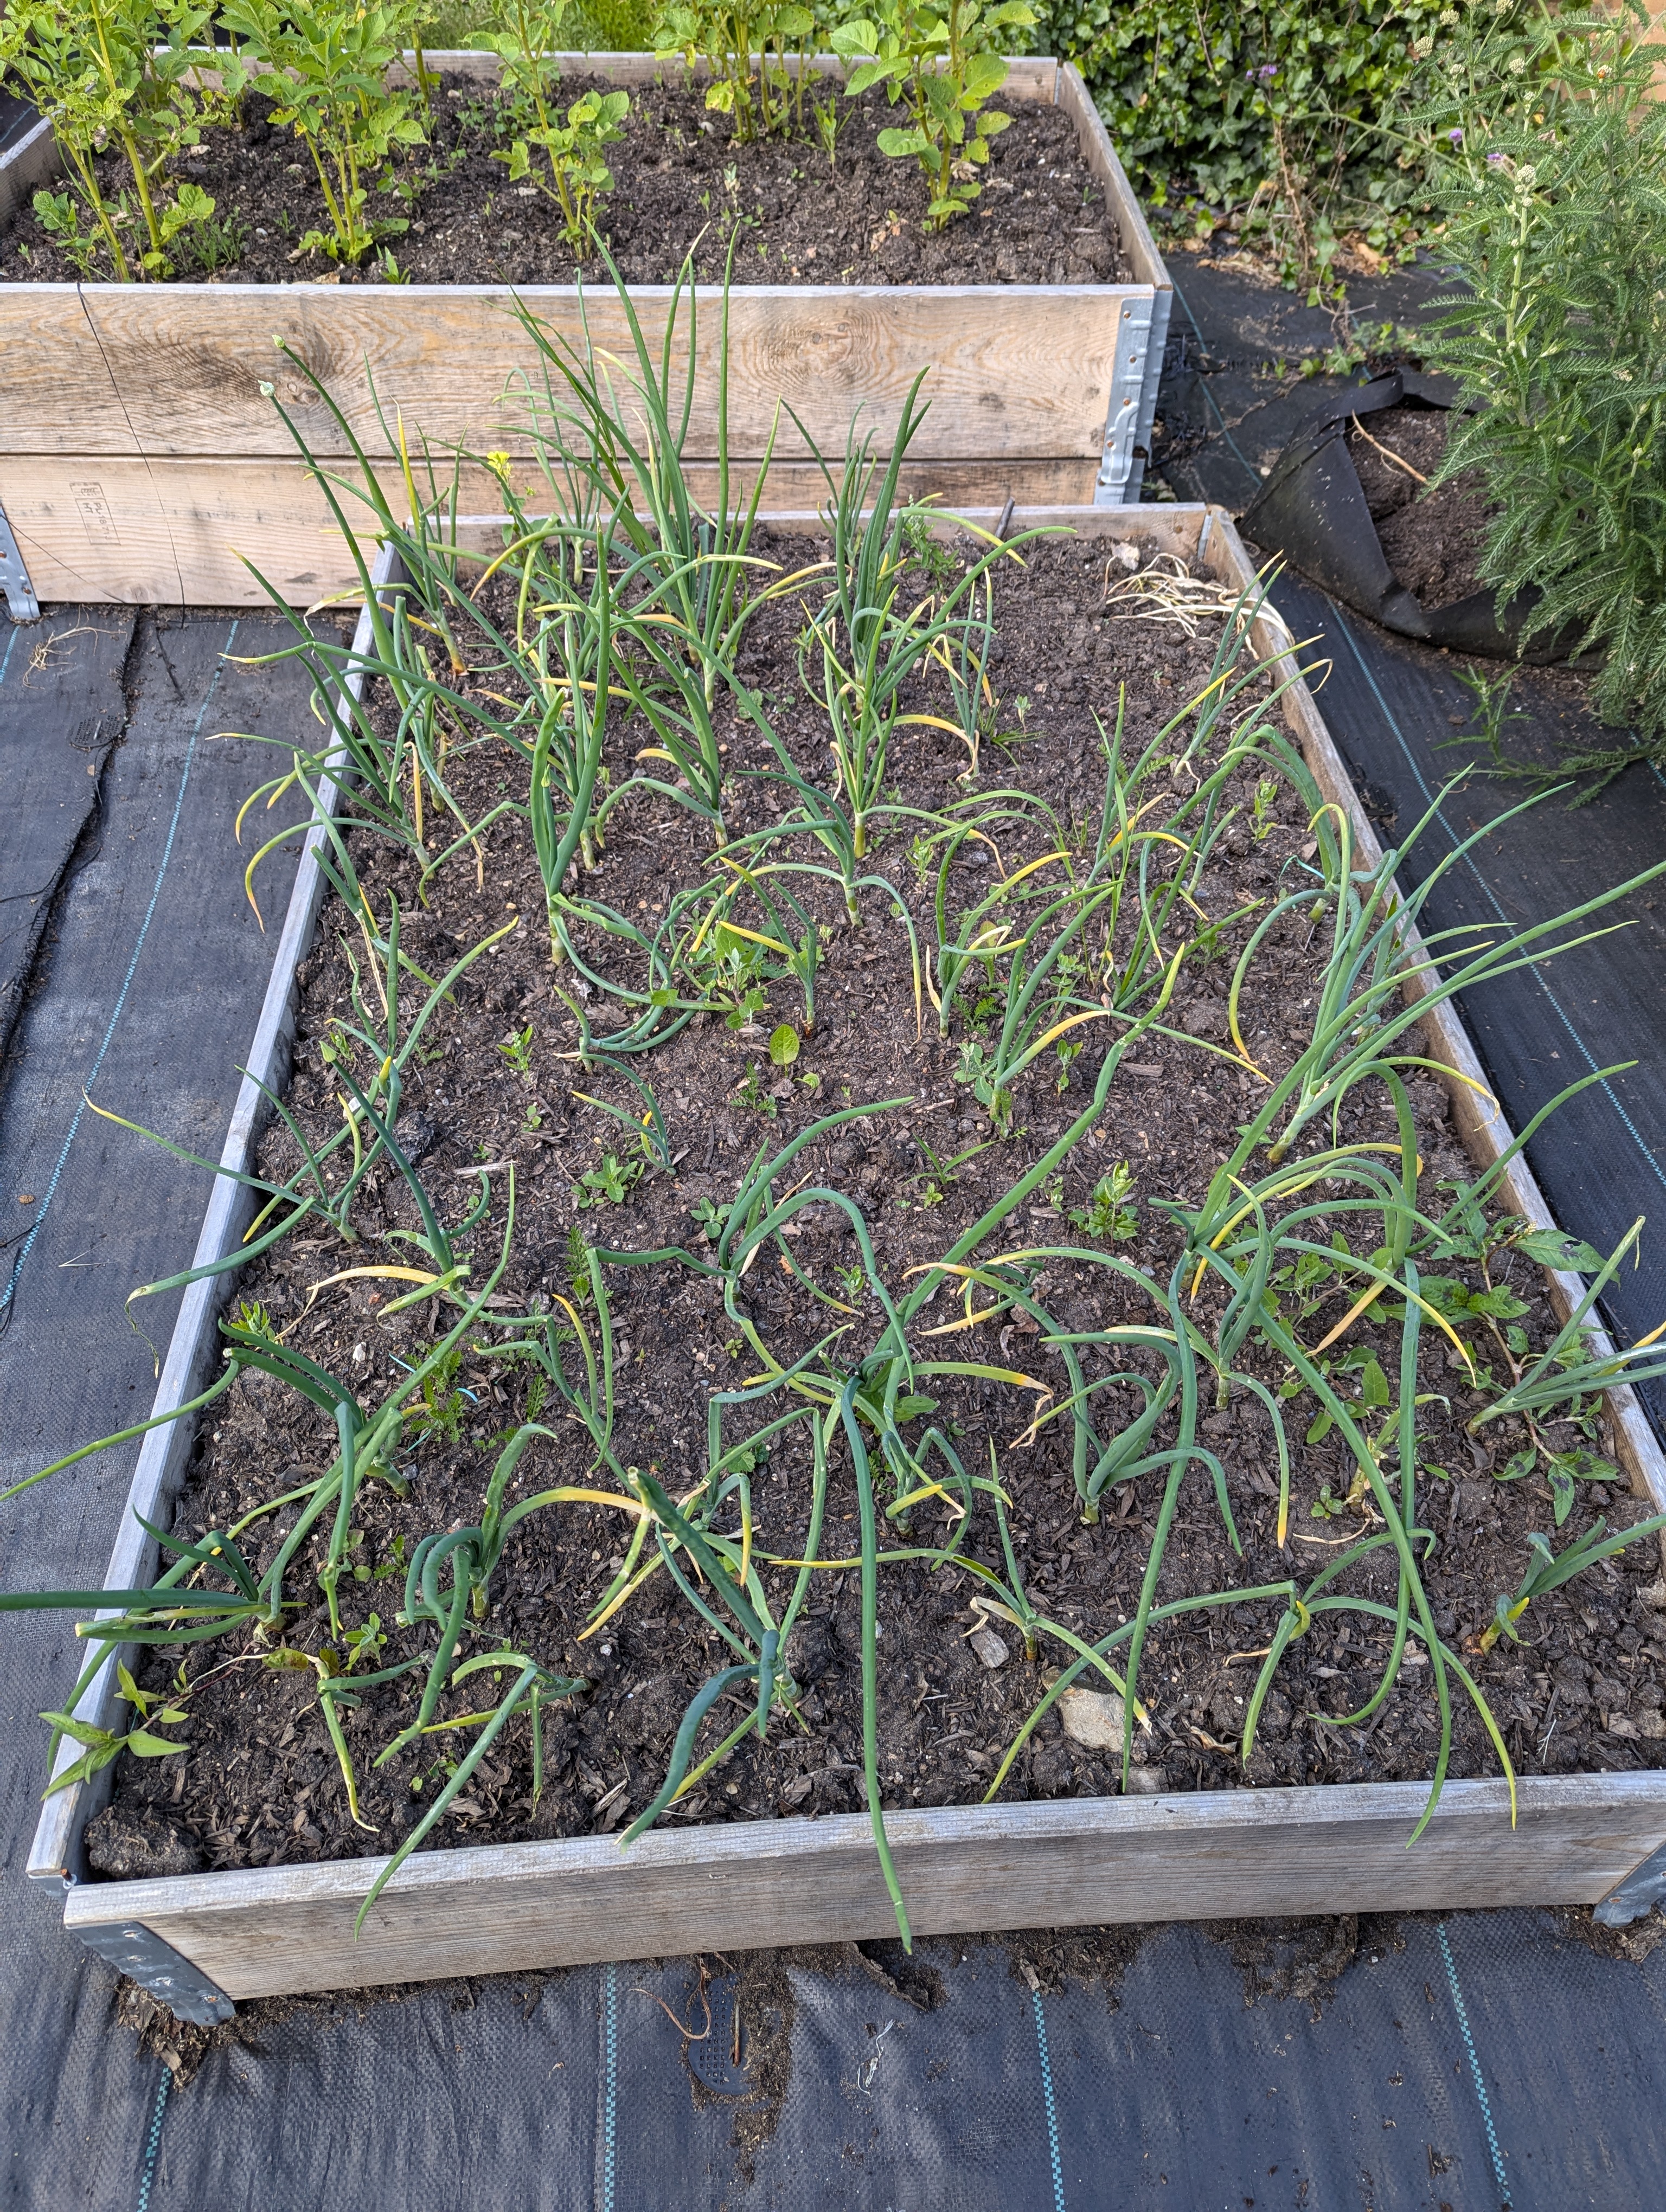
x=1015 y=372
x=1240 y=1852
x=1032 y=78
x=1139 y=244
x=171 y=533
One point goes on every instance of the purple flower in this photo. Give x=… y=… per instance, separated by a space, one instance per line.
x=1493 y=160
x=1268 y=72
x=1456 y=138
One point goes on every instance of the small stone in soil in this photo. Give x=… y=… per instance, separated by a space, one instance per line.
x=988 y=1647
x=416 y=1136
x=1146 y=1781
x=1093 y=1718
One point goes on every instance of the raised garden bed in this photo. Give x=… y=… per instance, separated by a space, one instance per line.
x=139 y=456
x=1188 y=1842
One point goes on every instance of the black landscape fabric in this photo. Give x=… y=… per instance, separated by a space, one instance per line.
x=1312 y=510
x=61 y=710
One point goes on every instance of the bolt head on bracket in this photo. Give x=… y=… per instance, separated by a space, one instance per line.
x=1643 y=1887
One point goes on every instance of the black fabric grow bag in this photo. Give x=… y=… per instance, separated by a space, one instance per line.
x=1312 y=510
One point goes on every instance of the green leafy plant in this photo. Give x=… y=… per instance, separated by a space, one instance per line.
x=750 y=1093
x=744 y=44
x=610 y=1184
x=442 y=1407
x=517 y=1049
x=1108 y=1217
x=330 y=61
x=1280 y=116
x=709 y=1218
x=1547 y=153
x=1547 y=1570
x=943 y=60
x=575 y=152
x=101 y=1747
x=116 y=74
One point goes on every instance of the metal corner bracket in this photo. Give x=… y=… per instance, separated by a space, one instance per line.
x=1634 y=1898
x=20 y=601
x=129 y=1946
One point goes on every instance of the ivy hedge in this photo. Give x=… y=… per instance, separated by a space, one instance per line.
x=1208 y=101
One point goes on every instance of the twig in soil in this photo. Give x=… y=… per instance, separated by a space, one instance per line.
x=682 y=2027
x=1387 y=454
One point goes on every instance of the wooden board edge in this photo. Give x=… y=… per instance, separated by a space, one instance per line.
x=1028 y=77
x=963 y=1869
x=1134 y=231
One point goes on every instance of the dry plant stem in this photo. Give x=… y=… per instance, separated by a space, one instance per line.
x=1384 y=451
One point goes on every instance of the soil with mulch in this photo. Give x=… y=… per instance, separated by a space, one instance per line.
x=261 y=1785
x=1433 y=540
x=682 y=182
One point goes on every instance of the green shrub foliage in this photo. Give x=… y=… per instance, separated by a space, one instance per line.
x=1548 y=156
x=1210 y=97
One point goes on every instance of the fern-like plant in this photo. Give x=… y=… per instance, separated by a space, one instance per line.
x=1550 y=158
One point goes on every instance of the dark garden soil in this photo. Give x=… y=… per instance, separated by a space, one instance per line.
x=261 y=1786
x=1433 y=540
x=682 y=181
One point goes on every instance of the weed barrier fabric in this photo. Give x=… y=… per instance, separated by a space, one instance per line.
x=1234 y=392
x=55 y=737
x=147 y=980
x=1394 y=708
x=1413 y=2077
x=1312 y=510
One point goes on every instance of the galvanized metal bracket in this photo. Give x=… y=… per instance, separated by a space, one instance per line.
x=1143 y=331
x=20 y=600
x=129 y=1946
x=1643 y=1887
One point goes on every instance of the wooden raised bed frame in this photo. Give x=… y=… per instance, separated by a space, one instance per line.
x=204 y=1939
x=138 y=457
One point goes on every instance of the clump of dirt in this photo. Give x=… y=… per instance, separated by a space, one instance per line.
x=1304 y=1957
x=684 y=182
x=1433 y=536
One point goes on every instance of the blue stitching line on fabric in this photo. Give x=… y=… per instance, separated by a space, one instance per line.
x=1462 y=2012
x=1051 y=2104
x=1630 y=1127
x=1254 y=474
x=609 y=2080
x=152 y=2145
x=127 y=980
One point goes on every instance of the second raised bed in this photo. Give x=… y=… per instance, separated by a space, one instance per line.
x=139 y=456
